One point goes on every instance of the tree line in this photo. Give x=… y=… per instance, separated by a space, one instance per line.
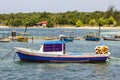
x=111 y=17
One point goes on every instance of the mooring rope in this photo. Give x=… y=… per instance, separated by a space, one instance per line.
x=7 y=54
x=114 y=58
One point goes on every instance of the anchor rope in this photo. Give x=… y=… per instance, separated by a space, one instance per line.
x=5 y=56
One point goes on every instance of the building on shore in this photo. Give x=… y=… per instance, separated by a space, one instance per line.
x=42 y=24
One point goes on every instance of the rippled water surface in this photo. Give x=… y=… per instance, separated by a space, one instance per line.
x=14 y=69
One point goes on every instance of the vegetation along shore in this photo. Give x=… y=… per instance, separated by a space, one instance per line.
x=82 y=27
x=111 y=17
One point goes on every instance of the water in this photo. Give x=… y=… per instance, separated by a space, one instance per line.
x=11 y=69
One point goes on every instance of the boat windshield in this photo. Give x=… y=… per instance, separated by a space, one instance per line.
x=52 y=47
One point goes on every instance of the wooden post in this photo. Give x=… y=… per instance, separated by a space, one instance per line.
x=99 y=31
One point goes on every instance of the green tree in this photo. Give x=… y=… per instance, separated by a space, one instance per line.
x=110 y=11
x=92 y=22
x=79 y=23
x=101 y=21
x=50 y=24
x=63 y=18
x=111 y=21
x=16 y=22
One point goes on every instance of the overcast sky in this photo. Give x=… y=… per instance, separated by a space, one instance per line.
x=25 y=6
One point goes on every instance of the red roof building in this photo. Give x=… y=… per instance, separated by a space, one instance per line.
x=42 y=23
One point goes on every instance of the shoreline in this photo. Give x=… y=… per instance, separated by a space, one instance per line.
x=72 y=27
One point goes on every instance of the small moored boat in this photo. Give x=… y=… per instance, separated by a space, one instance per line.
x=112 y=37
x=54 y=51
x=4 y=37
x=92 y=37
x=66 y=38
x=22 y=37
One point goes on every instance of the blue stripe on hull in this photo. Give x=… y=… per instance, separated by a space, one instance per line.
x=59 y=59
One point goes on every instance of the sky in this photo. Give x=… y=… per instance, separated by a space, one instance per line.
x=26 y=6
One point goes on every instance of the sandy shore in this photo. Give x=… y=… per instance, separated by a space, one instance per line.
x=89 y=27
x=4 y=26
x=85 y=27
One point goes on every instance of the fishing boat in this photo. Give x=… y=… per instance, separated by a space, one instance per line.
x=69 y=38
x=4 y=37
x=112 y=37
x=55 y=51
x=22 y=37
x=66 y=38
x=4 y=40
x=92 y=37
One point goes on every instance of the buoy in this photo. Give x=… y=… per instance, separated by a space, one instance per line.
x=101 y=49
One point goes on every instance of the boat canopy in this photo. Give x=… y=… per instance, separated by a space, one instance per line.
x=53 y=46
x=54 y=42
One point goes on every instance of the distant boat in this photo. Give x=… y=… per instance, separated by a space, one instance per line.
x=4 y=40
x=4 y=37
x=66 y=38
x=112 y=37
x=69 y=38
x=22 y=37
x=54 y=51
x=91 y=36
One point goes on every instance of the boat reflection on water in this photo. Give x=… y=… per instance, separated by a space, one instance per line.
x=100 y=70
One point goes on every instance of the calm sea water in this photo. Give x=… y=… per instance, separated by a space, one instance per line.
x=14 y=69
